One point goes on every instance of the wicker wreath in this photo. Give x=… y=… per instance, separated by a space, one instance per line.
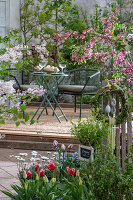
x=106 y=92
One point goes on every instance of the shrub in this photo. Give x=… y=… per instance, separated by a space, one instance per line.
x=105 y=179
x=91 y=131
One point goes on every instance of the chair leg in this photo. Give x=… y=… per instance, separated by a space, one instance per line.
x=80 y=106
x=75 y=103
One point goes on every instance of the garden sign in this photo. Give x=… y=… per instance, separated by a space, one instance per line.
x=85 y=153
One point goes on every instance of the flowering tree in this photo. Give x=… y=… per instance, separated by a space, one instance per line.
x=104 y=50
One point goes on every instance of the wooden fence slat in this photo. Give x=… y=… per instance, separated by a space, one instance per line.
x=104 y=104
x=117 y=133
x=129 y=134
x=123 y=146
x=118 y=145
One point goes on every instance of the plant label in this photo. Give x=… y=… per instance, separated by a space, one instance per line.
x=85 y=152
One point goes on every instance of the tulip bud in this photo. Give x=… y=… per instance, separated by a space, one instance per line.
x=24 y=174
x=37 y=177
x=70 y=146
x=55 y=143
x=53 y=180
x=45 y=179
x=80 y=181
x=90 y=176
x=63 y=147
x=77 y=173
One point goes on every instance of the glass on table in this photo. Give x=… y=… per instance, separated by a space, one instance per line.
x=62 y=66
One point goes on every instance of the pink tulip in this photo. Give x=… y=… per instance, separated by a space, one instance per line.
x=67 y=169
x=24 y=174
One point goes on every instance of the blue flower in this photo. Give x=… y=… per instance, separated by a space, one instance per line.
x=59 y=199
x=75 y=155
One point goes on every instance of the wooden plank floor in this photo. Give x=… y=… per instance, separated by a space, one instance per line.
x=47 y=125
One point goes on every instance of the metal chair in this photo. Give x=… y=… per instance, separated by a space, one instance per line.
x=80 y=82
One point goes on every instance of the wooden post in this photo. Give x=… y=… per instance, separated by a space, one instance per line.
x=123 y=147
x=117 y=133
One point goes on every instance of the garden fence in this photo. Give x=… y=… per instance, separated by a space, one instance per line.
x=123 y=133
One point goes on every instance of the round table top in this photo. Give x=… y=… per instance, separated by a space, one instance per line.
x=51 y=74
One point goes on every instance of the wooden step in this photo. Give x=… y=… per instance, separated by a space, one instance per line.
x=27 y=145
x=30 y=141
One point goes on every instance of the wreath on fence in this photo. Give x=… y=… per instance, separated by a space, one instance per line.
x=108 y=91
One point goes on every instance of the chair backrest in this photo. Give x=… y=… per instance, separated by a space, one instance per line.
x=80 y=77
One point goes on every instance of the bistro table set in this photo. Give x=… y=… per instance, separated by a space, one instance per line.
x=77 y=82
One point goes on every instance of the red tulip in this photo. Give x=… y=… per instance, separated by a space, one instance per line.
x=30 y=175
x=67 y=169
x=51 y=166
x=41 y=173
x=73 y=172
x=37 y=168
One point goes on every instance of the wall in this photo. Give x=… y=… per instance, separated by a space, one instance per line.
x=14 y=19
x=89 y=5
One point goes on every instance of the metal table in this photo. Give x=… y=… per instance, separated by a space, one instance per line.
x=50 y=94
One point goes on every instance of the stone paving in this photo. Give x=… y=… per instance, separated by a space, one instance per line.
x=9 y=170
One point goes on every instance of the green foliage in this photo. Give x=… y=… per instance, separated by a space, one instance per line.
x=105 y=179
x=17 y=114
x=128 y=173
x=92 y=131
x=96 y=19
x=34 y=189
x=85 y=99
x=101 y=179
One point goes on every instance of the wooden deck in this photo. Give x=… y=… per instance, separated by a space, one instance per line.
x=40 y=135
